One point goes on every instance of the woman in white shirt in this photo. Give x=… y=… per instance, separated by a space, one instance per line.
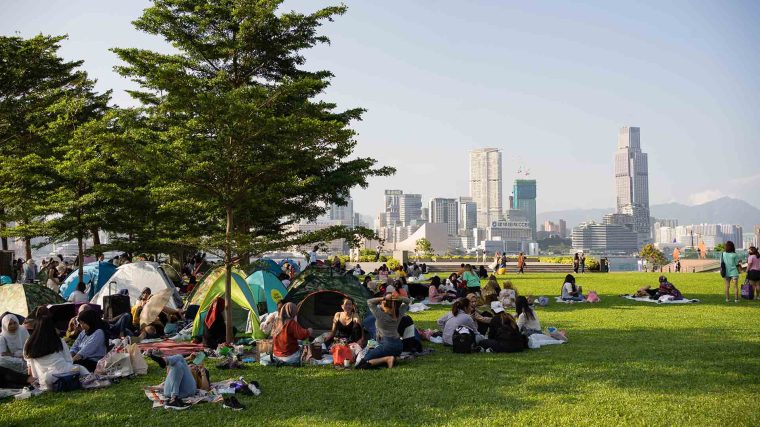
x=78 y=295
x=570 y=292
x=527 y=320
x=46 y=354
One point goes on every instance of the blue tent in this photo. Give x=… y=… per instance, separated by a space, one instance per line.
x=291 y=262
x=267 y=264
x=96 y=274
x=266 y=288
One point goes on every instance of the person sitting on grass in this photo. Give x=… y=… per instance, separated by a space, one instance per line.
x=388 y=312
x=180 y=382
x=504 y=335
x=667 y=288
x=46 y=354
x=481 y=314
x=435 y=293
x=527 y=320
x=508 y=295
x=285 y=336
x=459 y=316
x=346 y=325
x=482 y=272
x=472 y=279
x=12 y=340
x=491 y=290
x=78 y=296
x=92 y=343
x=571 y=292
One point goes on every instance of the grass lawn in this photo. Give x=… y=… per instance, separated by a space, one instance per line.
x=626 y=363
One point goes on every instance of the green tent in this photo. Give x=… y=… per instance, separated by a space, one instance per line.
x=243 y=307
x=23 y=298
x=319 y=291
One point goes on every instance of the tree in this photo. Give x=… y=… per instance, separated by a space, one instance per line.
x=720 y=247
x=240 y=134
x=34 y=78
x=653 y=255
x=424 y=246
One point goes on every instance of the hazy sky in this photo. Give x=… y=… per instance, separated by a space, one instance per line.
x=549 y=83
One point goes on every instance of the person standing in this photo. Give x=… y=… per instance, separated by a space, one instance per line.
x=731 y=260
x=521 y=263
x=576 y=263
x=30 y=271
x=753 y=270
x=313 y=255
x=583 y=262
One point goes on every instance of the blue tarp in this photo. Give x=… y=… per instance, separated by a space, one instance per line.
x=96 y=275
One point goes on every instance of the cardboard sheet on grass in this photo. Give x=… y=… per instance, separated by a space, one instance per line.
x=170 y=348
x=656 y=301
x=156 y=394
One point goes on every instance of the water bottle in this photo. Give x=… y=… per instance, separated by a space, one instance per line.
x=26 y=393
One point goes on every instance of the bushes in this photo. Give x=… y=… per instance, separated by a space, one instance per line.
x=558 y=260
x=392 y=263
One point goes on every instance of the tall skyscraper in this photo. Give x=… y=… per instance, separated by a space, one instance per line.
x=392 y=208
x=632 y=180
x=444 y=211
x=524 y=199
x=485 y=184
x=344 y=214
x=410 y=208
x=468 y=215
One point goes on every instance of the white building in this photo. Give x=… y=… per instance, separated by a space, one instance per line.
x=410 y=208
x=444 y=211
x=486 y=184
x=604 y=238
x=344 y=214
x=468 y=216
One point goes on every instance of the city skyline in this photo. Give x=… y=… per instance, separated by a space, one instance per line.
x=546 y=84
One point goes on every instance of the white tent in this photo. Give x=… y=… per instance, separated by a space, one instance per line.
x=135 y=277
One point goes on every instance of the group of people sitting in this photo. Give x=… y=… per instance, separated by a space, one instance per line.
x=664 y=290
x=495 y=330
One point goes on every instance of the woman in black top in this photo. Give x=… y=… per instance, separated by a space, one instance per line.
x=346 y=325
x=503 y=334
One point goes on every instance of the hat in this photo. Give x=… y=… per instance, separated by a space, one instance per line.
x=496 y=307
x=663 y=279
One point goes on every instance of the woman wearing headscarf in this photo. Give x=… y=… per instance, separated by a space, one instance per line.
x=92 y=343
x=46 y=354
x=12 y=340
x=215 y=331
x=285 y=335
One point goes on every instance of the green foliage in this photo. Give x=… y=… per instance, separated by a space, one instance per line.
x=720 y=247
x=654 y=256
x=618 y=351
x=392 y=263
x=424 y=246
x=557 y=260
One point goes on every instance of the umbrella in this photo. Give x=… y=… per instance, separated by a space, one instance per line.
x=155 y=306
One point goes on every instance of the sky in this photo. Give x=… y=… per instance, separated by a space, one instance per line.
x=549 y=83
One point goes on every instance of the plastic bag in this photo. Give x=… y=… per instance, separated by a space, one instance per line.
x=139 y=366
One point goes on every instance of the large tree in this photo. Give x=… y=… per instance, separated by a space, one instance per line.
x=243 y=136
x=33 y=77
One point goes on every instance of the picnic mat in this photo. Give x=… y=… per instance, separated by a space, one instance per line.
x=559 y=299
x=156 y=394
x=646 y=299
x=427 y=302
x=7 y=392
x=170 y=348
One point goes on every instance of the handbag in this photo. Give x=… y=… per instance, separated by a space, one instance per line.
x=748 y=291
x=341 y=353
x=722 y=267
x=67 y=382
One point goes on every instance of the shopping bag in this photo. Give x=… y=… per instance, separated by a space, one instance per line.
x=139 y=366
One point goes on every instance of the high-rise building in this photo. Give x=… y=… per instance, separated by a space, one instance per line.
x=632 y=181
x=562 y=228
x=485 y=184
x=757 y=234
x=392 y=208
x=344 y=214
x=410 y=208
x=468 y=215
x=524 y=199
x=444 y=211
x=604 y=238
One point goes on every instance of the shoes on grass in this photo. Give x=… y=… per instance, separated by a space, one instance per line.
x=176 y=404
x=231 y=402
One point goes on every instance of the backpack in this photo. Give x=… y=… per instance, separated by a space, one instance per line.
x=463 y=340
x=543 y=301
x=748 y=292
x=67 y=382
x=593 y=297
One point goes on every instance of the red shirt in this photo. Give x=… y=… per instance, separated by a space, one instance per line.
x=286 y=343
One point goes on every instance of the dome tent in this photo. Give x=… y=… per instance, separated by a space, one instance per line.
x=242 y=296
x=96 y=275
x=319 y=291
x=267 y=289
x=22 y=299
x=134 y=277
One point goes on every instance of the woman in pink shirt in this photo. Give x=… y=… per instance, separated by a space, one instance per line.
x=753 y=270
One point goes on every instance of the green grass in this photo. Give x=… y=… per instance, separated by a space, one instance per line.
x=626 y=363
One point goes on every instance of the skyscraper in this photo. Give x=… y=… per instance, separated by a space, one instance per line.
x=344 y=214
x=468 y=215
x=524 y=199
x=632 y=180
x=392 y=208
x=485 y=184
x=410 y=208
x=444 y=211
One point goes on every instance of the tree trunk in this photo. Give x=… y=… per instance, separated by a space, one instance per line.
x=95 y=236
x=28 y=247
x=228 y=278
x=80 y=248
x=3 y=240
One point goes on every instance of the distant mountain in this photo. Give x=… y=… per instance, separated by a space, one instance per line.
x=725 y=210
